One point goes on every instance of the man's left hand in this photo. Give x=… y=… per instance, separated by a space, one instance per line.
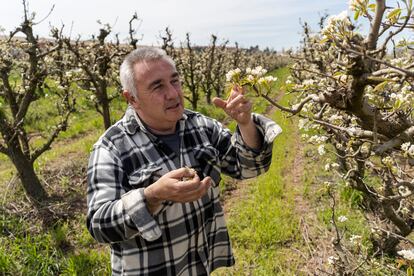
x=236 y=106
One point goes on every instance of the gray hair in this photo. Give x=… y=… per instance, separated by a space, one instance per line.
x=142 y=54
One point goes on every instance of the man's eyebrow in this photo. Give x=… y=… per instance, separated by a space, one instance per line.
x=158 y=81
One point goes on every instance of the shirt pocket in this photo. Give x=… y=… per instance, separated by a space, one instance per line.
x=144 y=176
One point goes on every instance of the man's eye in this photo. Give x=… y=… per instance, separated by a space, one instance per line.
x=157 y=87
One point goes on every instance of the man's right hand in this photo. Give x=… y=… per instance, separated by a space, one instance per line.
x=172 y=187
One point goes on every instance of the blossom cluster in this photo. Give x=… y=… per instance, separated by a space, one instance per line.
x=258 y=71
x=407 y=254
x=408 y=149
x=233 y=75
x=342 y=218
x=254 y=78
x=333 y=20
x=354 y=4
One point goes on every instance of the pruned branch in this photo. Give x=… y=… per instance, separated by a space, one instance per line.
x=133 y=41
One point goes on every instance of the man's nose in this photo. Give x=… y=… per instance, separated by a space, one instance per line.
x=172 y=92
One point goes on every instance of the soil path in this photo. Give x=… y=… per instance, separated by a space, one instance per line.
x=315 y=237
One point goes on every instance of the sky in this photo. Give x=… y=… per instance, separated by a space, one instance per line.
x=266 y=23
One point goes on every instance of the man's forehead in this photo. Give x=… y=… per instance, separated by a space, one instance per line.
x=152 y=67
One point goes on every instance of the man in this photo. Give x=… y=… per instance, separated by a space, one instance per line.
x=153 y=176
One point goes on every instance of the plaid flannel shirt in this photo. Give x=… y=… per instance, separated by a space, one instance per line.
x=179 y=238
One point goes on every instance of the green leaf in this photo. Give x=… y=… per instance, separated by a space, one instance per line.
x=397 y=104
x=410 y=271
x=394 y=14
x=372 y=7
x=356 y=15
x=322 y=41
x=380 y=87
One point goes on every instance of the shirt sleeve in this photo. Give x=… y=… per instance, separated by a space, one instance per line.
x=239 y=160
x=114 y=215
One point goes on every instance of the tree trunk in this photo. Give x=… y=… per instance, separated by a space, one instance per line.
x=27 y=175
x=385 y=245
x=208 y=96
x=195 y=100
x=106 y=114
x=105 y=105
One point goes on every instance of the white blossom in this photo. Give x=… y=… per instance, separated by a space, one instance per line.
x=270 y=79
x=365 y=148
x=405 y=146
x=330 y=166
x=308 y=82
x=321 y=150
x=230 y=75
x=405 y=211
x=302 y=123
x=332 y=260
x=407 y=254
x=250 y=78
x=259 y=71
x=353 y=4
x=333 y=19
x=410 y=151
x=339 y=146
x=404 y=191
x=262 y=81
x=336 y=119
x=342 y=218
x=388 y=161
x=355 y=238
x=295 y=106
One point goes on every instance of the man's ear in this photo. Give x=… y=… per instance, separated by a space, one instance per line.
x=129 y=97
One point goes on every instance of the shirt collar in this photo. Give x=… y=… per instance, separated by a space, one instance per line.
x=133 y=123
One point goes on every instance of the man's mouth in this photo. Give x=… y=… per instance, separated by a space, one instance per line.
x=173 y=106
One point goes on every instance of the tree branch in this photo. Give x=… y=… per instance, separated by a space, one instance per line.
x=11 y=99
x=406 y=136
x=400 y=29
x=371 y=41
x=354 y=132
x=52 y=137
x=316 y=98
x=401 y=70
x=3 y=149
x=394 y=235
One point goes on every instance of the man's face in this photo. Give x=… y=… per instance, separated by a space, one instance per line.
x=160 y=102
